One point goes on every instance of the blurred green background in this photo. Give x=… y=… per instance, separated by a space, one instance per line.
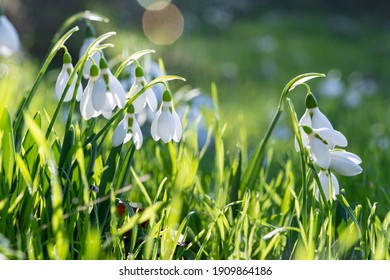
x=251 y=49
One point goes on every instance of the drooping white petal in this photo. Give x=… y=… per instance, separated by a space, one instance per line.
x=166 y=125
x=63 y=79
x=61 y=82
x=106 y=114
x=117 y=91
x=86 y=108
x=79 y=89
x=305 y=140
x=305 y=120
x=319 y=120
x=139 y=103
x=120 y=133
x=319 y=152
x=153 y=129
x=9 y=38
x=137 y=135
x=110 y=102
x=324 y=179
x=151 y=99
x=333 y=137
x=178 y=128
x=99 y=95
x=345 y=163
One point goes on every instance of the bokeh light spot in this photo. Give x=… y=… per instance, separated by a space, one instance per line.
x=164 y=26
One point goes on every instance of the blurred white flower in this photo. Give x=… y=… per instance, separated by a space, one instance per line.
x=9 y=38
x=128 y=129
x=63 y=78
x=147 y=97
x=332 y=86
x=89 y=37
x=166 y=125
x=325 y=183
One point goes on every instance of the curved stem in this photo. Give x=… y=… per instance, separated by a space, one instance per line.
x=41 y=73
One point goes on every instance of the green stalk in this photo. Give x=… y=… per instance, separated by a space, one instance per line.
x=25 y=103
x=254 y=166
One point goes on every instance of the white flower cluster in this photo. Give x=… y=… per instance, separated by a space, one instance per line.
x=322 y=140
x=104 y=93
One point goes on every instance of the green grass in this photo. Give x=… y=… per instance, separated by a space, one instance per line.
x=48 y=210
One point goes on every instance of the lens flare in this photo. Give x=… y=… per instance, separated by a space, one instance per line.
x=164 y=26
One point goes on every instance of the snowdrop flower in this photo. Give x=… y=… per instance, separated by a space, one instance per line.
x=324 y=179
x=63 y=78
x=147 y=97
x=128 y=129
x=90 y=36
x=114 y=94
x=320 y=141
x=345 y=163
x=166 y=125
x=96 y=87
x=312 y=117
x=9 y=38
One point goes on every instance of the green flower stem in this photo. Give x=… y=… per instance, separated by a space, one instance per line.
x=87 y=15
x=251 y=173
x=38 y=79
x=298 y=136
x=132 y=58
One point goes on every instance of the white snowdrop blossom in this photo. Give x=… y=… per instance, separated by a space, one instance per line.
x=90 y=36
x=95 y=86
x=313 y=118
x=147 y=97
x=166 y=125
x=323 y=175
x=113 y=95
x=63 y=79
x=320 y=141
x=9 y=38
x=128 y=129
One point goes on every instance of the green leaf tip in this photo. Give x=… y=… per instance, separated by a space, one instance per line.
x=301 y=79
